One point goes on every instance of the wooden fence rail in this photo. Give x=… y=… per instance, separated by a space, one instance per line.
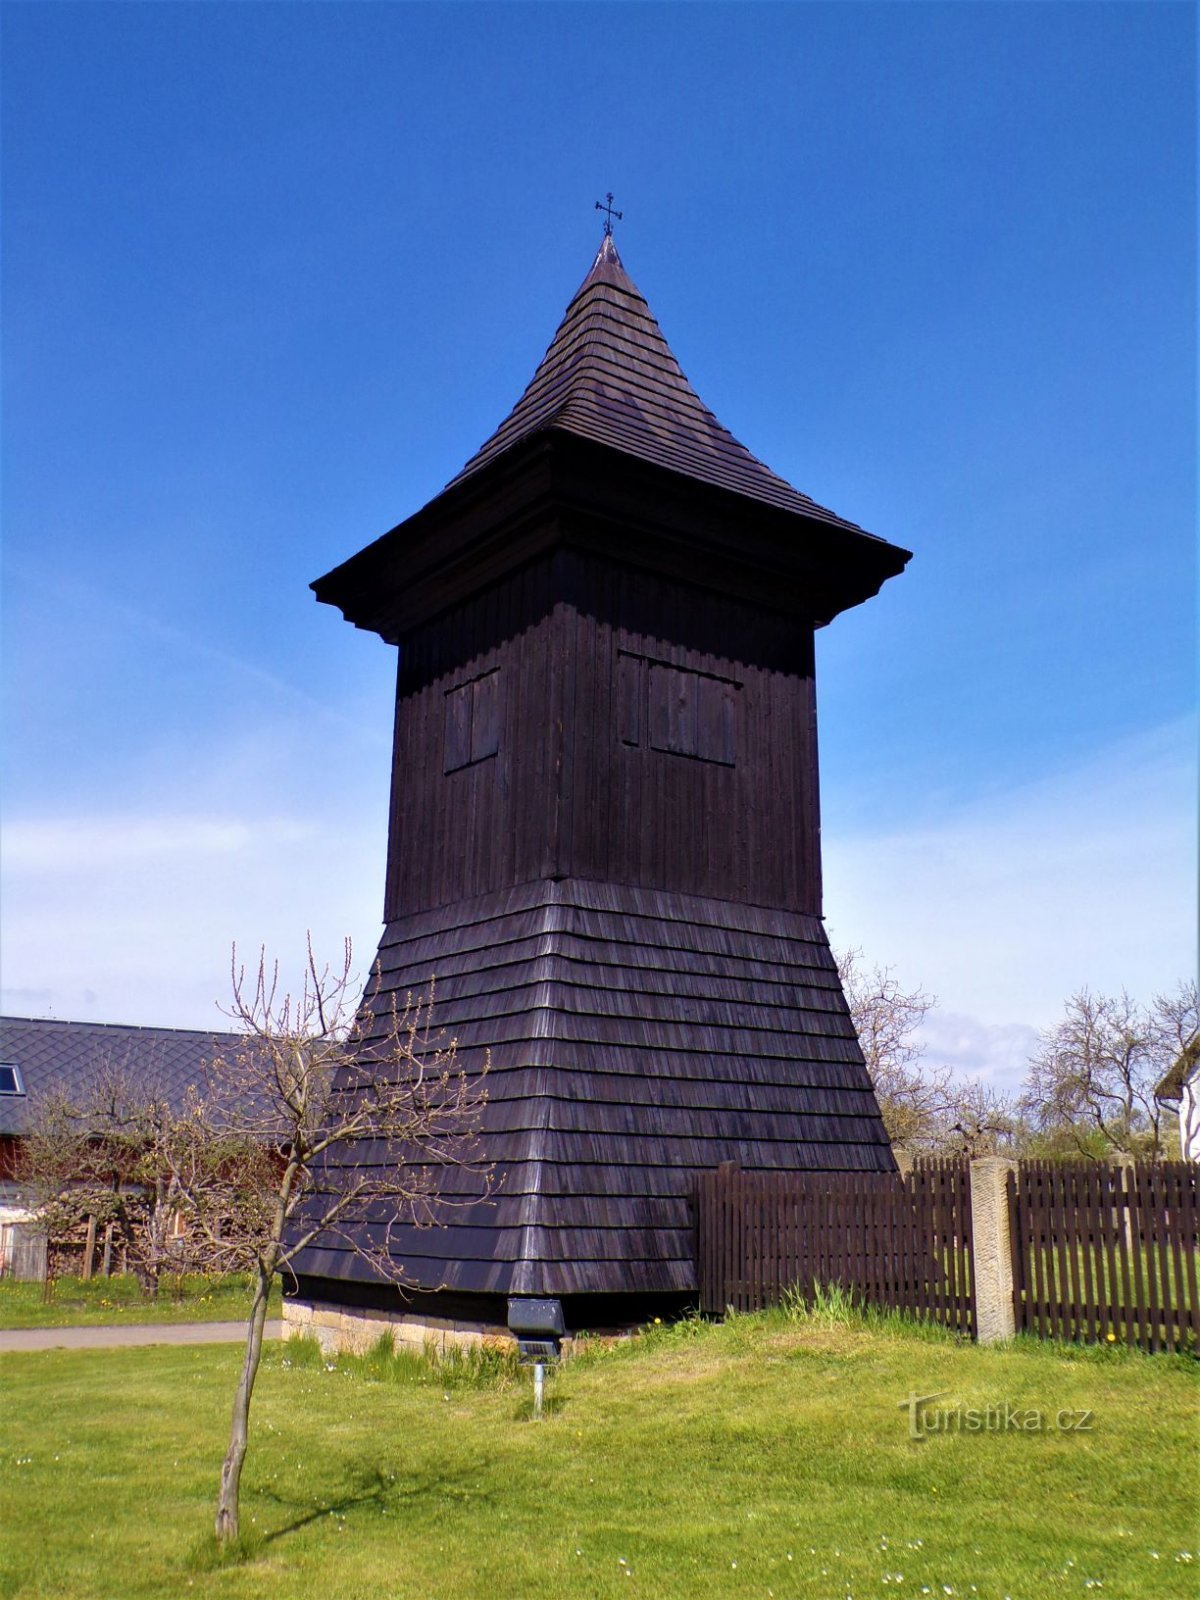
x=1106 y=1253
x=902 y=1243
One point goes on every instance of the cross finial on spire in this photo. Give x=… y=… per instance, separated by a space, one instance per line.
x=609 y=214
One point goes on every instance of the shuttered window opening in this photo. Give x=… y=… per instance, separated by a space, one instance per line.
x=472 y=721
x=676 y=710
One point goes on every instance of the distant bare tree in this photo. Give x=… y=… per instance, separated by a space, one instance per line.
x=317 y=1083
x=979 y=1120
x=913 y=1098
x=1174 y=1018
x=1093 y=1076
x=926 y=1110
x=95 y=1157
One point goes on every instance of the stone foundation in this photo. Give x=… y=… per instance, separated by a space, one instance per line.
x=353 y=1330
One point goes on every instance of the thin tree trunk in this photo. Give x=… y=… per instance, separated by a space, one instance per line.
x=231 y=1471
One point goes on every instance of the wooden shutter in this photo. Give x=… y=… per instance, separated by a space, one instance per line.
x=472 y=721
x=458 y=728
x=485 y=716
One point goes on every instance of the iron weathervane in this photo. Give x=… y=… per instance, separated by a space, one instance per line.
x=609 y=214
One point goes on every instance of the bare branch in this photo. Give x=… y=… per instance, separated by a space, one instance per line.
x=329 y=1122
x=1093 y=1076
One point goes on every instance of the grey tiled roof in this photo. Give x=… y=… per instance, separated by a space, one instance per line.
x=66 y=1057
x=609 y=376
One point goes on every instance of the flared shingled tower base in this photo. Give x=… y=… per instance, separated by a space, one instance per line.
x=604 y=839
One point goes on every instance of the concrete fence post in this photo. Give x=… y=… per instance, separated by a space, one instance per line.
x=1126 y=1218
x=992 y=1252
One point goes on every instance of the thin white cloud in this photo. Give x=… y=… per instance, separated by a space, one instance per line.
x=1004 y=908
x=1001 y=909
x=145 y=935
x=997 y=1053
x=128 y=915
x=72 y=844
x=163 y=641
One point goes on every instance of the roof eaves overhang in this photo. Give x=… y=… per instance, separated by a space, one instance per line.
x=713 y=537
x=555 y=488
x=462 y=540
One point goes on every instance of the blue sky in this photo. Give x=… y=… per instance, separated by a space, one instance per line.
x=273 y=272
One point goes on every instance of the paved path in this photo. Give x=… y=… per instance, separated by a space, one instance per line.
x=132 y=1333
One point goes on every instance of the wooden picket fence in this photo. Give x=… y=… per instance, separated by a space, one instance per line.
x=1107 y=1253
x=900 y=1243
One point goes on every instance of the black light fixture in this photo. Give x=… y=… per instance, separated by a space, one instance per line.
x=538 y=1327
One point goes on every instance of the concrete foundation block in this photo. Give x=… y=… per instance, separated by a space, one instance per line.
x=351 y=1330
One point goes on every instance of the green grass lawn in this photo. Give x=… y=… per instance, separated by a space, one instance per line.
x=105 y=1301
x=764 y=1457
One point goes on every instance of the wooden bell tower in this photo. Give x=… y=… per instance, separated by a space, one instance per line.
x=604 y=837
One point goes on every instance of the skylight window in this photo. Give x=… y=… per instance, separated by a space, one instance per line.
x=10 y=1080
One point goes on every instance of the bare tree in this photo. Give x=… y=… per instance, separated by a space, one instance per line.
x=926 y=1110
x=328 y=1121
x=1093 y=1077
x=1174 y=1019
x=913 y=1098
x=92 y=1160
x=978 y=1120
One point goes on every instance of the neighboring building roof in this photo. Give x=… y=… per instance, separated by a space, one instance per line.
x=55 y=1057
x=1184 y=1067
x=610 y=376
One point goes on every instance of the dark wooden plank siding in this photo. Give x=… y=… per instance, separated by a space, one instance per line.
x=716 y=795
x=581 y=720
x=475 y=758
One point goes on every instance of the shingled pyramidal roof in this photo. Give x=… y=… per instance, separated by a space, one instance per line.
x=609 y=391
x=610 y=376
